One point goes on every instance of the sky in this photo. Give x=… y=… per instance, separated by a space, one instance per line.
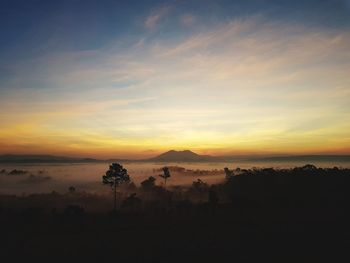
x=131 y=79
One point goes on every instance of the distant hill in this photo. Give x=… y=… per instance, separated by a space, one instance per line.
x=305 y=158
x=189 y=156
x=11 y=158
x=181 y=156
x=175 y=156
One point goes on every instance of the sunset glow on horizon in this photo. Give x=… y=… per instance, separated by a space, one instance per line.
x=220 y=78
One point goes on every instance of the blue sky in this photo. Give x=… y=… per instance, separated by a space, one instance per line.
x=131 y=78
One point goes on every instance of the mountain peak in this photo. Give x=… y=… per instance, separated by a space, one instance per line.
x=180 y=156
x=183 y=151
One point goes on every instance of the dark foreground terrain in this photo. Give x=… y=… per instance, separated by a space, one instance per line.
x=295 y=215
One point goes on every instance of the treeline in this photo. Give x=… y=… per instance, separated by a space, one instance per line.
x=307 y=188
x=301 y=187
x=291 y=215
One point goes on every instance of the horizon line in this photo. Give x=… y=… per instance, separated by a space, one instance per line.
x=249 y=155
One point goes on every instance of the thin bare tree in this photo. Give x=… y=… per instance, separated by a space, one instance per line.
x=115 y=175
x=165 y=175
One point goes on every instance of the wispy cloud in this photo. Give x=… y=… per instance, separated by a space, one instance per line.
x=248 y=83
x=187 y=20
x=156 y=16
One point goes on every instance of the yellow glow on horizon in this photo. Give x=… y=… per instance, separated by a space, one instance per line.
x=239 y=87
x=29 y=139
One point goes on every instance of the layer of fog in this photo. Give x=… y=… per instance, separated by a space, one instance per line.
x=45 y=178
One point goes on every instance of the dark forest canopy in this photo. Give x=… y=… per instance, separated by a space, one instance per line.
x=270 y=212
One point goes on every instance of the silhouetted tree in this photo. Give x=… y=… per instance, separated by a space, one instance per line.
x=115 y=176
x=71 y=189
x=200 y=187
x=148 y=183
x=131 y=202
x=228 y=172
x=165 y=175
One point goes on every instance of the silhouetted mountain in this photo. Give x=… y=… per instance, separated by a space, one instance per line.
x=174 y=156
x=189 y=156
x=181 y=156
